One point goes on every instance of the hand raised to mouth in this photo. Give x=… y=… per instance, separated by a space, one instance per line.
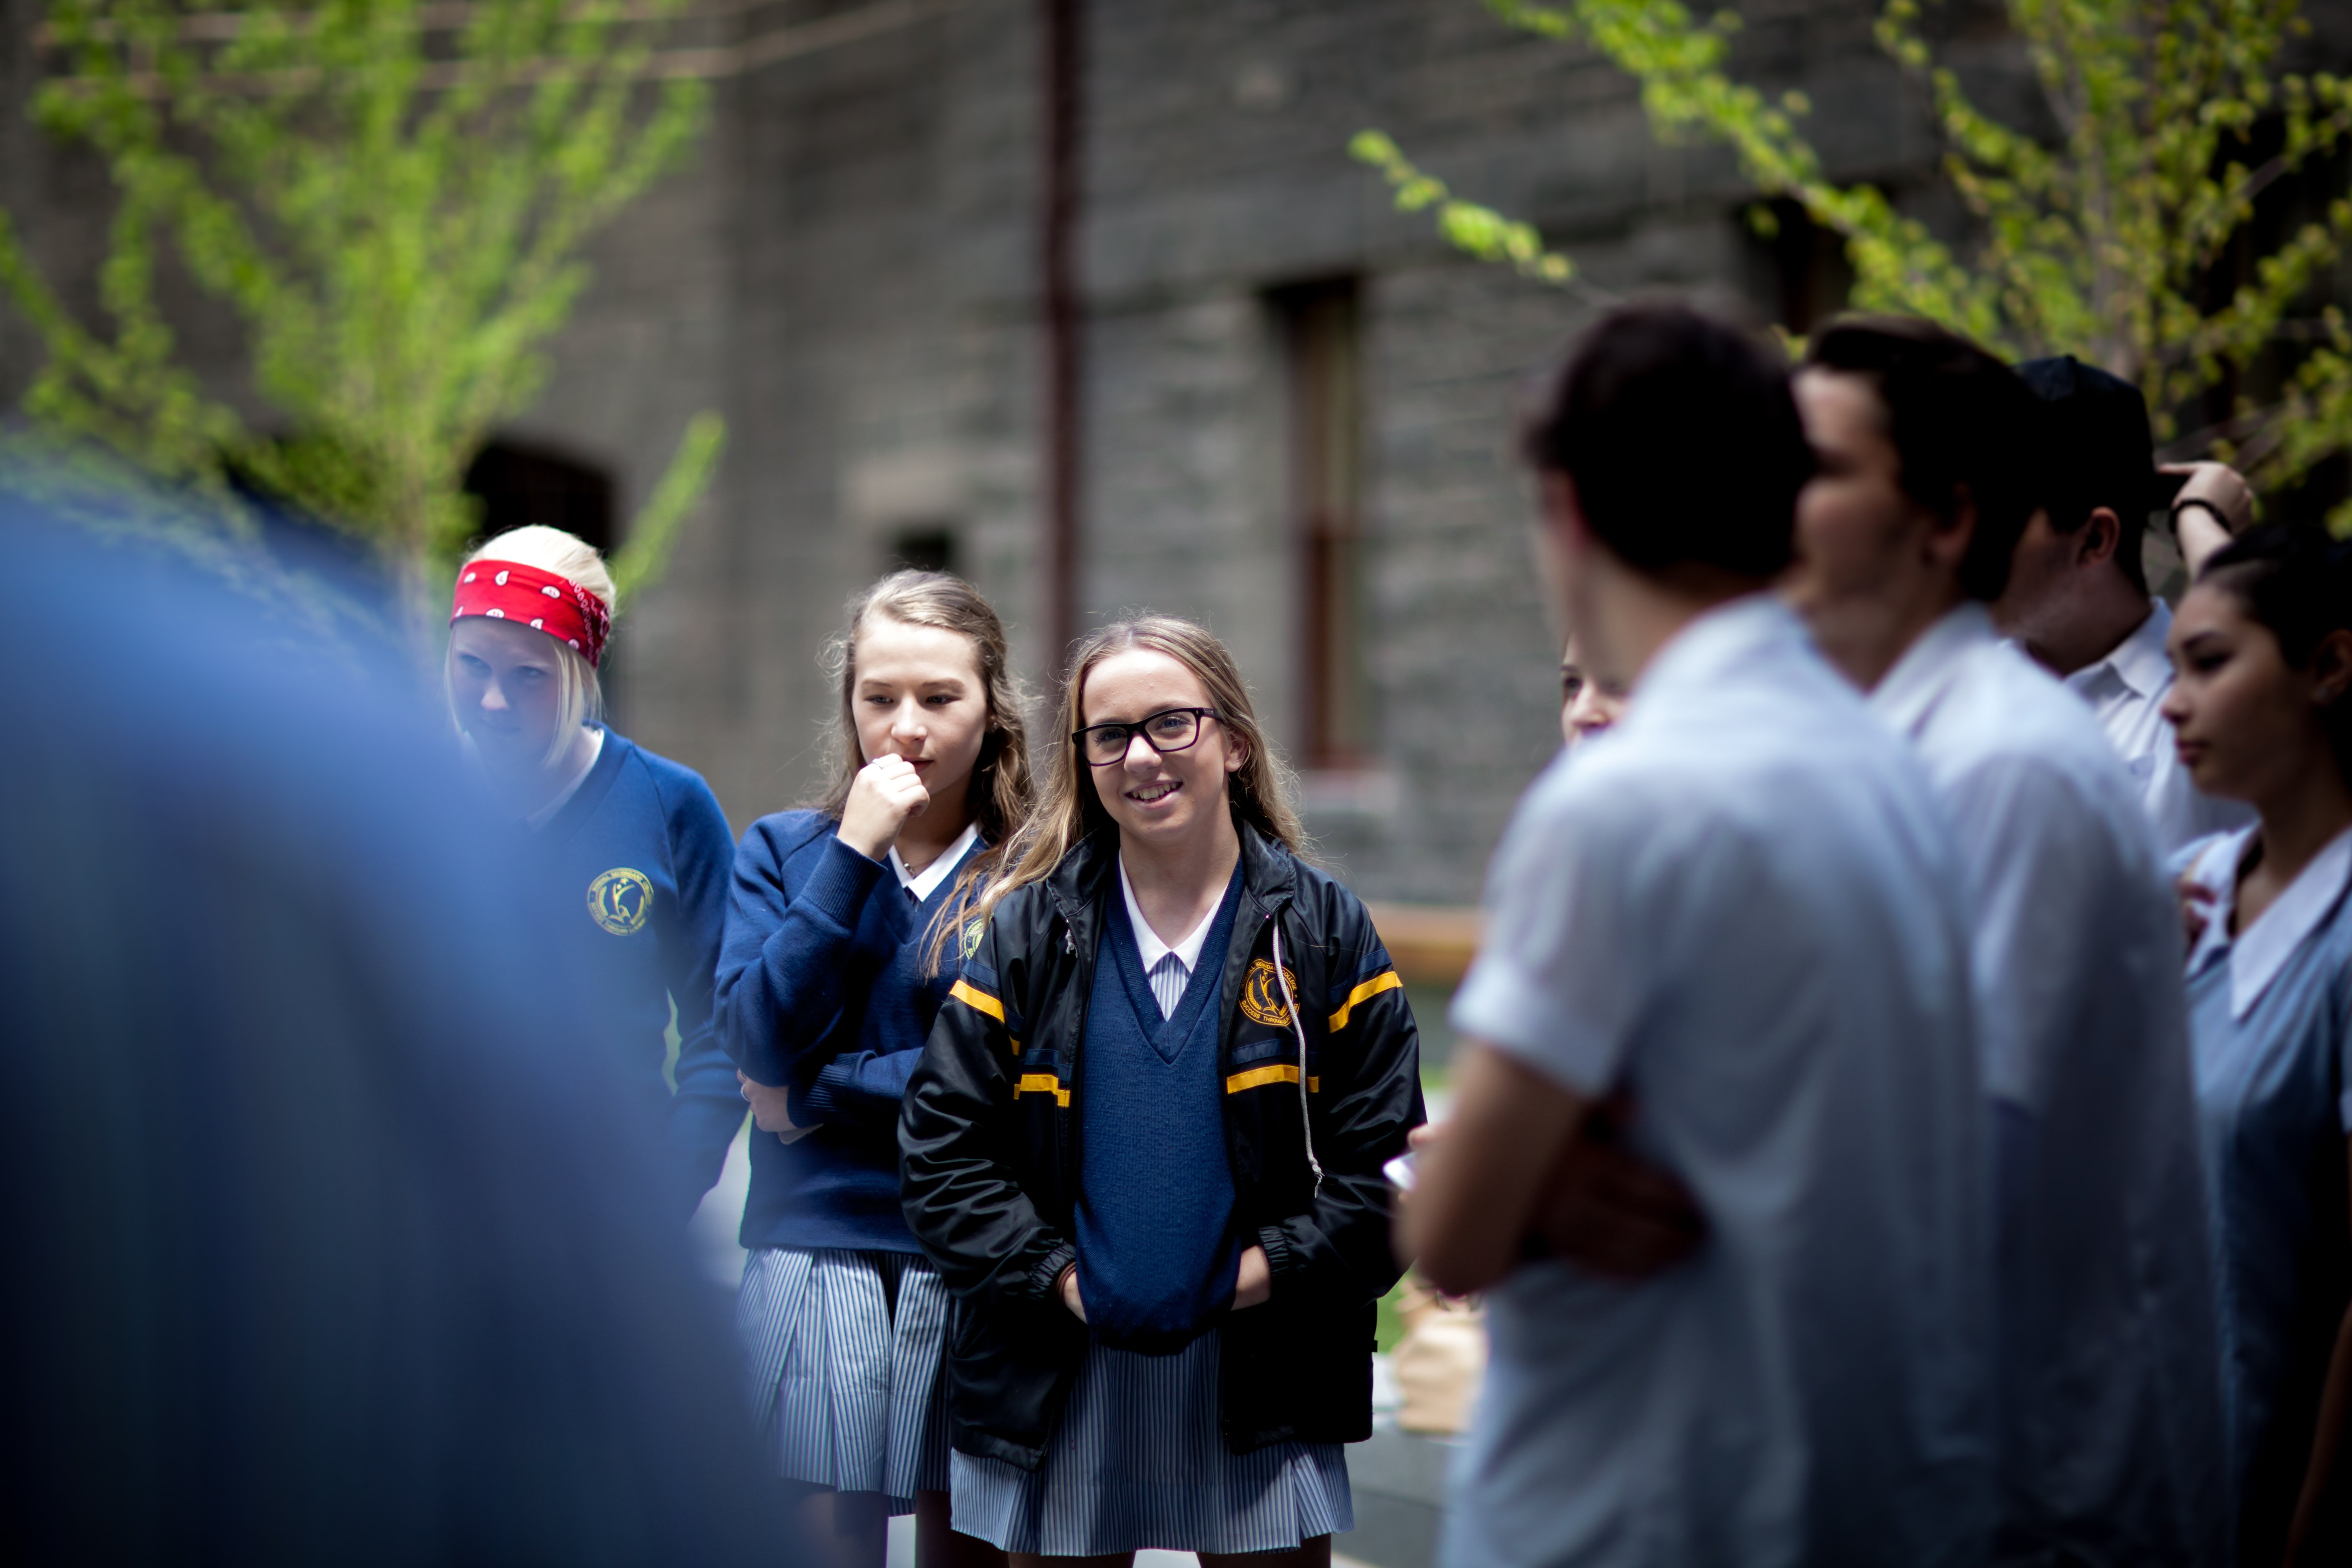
x=888 y=793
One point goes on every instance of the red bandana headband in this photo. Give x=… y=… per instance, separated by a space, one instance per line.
x=509 y=591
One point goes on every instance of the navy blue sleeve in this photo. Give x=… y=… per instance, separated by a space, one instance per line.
x=864 y=1087
x=782 y=963
x=867 y=1087
x=707 y=1107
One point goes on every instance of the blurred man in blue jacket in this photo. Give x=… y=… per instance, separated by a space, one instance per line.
x=330 y=1234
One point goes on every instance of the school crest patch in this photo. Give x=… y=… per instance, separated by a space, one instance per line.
x=973 y=932
x=620 y=899
x=1262 y=994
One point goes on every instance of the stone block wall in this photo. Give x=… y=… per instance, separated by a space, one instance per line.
x=848 y=272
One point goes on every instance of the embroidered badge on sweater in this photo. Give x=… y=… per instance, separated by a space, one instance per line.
x=620 y=899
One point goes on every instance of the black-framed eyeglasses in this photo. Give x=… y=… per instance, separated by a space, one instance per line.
x=1169 y=729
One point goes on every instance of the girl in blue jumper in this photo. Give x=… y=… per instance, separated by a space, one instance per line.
x=1144 y=1146
x=629 y=851
x=848 y=925
x=2261 y=711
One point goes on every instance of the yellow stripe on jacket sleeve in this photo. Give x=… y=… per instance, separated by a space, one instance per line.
x=1386 y=980
x=1276 y=1072
x=1042 y=1083
x=979 y=1001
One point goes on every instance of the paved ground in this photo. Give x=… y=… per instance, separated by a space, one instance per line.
x=902 y=1553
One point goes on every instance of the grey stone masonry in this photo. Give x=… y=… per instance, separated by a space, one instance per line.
x=848 y=271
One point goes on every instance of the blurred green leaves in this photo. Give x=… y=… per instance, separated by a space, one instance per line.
x=392 y=198
x=2127 y=239
x=1482 y=231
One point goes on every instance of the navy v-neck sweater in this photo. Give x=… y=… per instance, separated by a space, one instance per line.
x=1157 y=1252
x=822 y=988
x=633 y=881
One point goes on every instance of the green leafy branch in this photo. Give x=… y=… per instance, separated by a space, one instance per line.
x=2125 y=237
x=394 y=212
x=1481 y=231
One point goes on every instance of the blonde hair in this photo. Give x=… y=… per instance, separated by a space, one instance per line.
x=1002 y=785
x=1259 y=792
x=580 y=695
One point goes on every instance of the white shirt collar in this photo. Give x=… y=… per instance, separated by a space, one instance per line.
x=546 y=814
x=1146 y=941
x=2140 y=661
x=1717 y=641
x=1907 y=695
x=935 y=873
x=2262 y=949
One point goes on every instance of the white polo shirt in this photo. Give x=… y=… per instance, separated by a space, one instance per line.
x=1740 y=904
x=2126 y=691
x=2108 y=1343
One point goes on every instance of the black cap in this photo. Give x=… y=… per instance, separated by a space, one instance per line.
x=2096 y=449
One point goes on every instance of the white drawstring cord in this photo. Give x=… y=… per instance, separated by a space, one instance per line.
x=1282 y=977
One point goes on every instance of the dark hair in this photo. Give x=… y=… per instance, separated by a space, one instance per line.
x=2095 y=450
x=2297 y=584
x=1681 y=439
x=1958 y=418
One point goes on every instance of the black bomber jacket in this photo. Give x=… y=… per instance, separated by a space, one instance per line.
x=989 y=1151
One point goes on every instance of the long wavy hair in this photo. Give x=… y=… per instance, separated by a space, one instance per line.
x=1259 y=792
x=1002 y=787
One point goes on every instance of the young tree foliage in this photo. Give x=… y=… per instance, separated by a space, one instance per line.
x=393 y=198
x=2125 y=236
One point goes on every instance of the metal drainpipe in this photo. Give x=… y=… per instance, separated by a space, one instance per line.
x=1064 y=63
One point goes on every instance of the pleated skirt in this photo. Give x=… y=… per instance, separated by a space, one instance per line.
x=1139 y=1462
x=847 y=1376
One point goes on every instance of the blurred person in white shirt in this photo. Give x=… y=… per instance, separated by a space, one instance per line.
x=1726 y=914
x=2108 y=1348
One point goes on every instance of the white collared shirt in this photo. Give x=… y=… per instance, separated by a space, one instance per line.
x=932 y=875
x=1167 y=968
x=2126 y=692
x=2258 y=953
x=1733 y=904
x=2083 y=1023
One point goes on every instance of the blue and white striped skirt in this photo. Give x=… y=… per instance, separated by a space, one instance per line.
x=1137 y=1461
x=845 y=1391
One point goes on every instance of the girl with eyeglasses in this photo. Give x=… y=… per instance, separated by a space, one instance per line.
x=1144 y=1145
x=849 y=921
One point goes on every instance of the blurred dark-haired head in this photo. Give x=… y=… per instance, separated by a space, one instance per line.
x=2095 y=450
x=1961 y=423
x=2263 y=649
x=1679 y=436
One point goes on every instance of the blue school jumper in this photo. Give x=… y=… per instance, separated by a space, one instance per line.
x=1157 y=1251
x=821 y=990
x=634 y=872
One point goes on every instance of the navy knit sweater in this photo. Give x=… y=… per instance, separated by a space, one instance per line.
x=1157 y=1251
x=821 y=989
x=632 y=877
